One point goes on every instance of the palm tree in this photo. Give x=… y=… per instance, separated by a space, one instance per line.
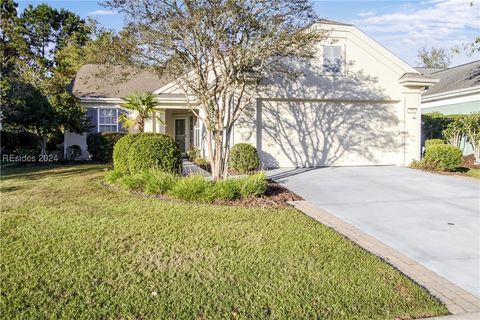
x=143 y=103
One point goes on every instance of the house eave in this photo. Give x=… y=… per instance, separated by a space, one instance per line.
x=451 y=94
x=98 y=99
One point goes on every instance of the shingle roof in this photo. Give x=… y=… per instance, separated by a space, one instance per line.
x=428 y=71
x=101 y=81
x=455 y=78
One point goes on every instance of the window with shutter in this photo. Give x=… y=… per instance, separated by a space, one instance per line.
x=332 y=59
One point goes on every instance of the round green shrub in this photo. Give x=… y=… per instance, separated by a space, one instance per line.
x=154 y=151
x=444 y=156
x=432 y=142
x=120 y=153
x=244 y=158
x=100 y=145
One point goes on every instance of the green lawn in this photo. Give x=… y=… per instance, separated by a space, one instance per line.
x=470 y=172
x=70 y=248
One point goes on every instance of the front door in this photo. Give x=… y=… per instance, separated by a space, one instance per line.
x=181 y=134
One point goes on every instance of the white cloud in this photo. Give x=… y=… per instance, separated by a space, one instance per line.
x=102 y=13
x=366 y=13
x=436 y=23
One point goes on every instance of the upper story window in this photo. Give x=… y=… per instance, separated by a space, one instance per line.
x=332 y=59
x=107 y=120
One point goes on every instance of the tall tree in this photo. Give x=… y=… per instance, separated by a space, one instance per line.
x=34 y=92
x=434 y=57
x=217 y=50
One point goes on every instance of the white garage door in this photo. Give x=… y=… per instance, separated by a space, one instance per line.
x=309 y=134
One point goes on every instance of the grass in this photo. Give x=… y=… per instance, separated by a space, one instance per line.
x=71 y=248
x=470 y=172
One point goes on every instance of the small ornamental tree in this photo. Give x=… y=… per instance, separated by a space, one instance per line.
x=455 y=130
x=217 y=50
x=472 y=132
x=143 y=105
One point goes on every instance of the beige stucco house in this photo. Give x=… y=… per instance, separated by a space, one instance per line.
x=355 y=103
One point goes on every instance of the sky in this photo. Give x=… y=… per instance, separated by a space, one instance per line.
x=403 y=27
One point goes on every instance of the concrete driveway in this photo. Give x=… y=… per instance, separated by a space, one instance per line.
x=431 y=218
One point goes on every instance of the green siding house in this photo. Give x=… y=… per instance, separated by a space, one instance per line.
x=457 y=92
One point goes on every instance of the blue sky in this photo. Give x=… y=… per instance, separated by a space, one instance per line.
x=401 y=26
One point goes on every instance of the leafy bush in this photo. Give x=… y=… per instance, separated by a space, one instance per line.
x=9 y=141
x=28 y=139
x=446 y=157
x=159 y=182
x=154 y=151
x=31 y=152
x=454 y=130
x=100 y=145
x=471 y=127
x=12 y=141
x=193 y=154
x=120 y=152
x=432 y=142
x=244 y=158
x=201 y=161
x=254 y=185
x=73 y=152
x=194 y=188
x=433 y=124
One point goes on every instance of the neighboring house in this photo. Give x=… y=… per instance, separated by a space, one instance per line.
x=457 y=92
x=355 y=103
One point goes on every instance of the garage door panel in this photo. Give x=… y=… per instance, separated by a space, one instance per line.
x=308 y=134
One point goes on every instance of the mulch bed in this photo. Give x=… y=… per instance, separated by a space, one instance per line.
x=276 y=196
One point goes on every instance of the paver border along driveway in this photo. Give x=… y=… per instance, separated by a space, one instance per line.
x=431 y=218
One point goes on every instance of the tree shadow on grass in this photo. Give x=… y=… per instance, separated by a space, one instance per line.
x=41 y=172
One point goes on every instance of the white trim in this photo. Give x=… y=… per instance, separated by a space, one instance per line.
x=98 y=118
x=451 y=94
x=447 y=101
x=104 y=100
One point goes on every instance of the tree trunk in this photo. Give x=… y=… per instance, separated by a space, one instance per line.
x=43 y=144
x=141 y=126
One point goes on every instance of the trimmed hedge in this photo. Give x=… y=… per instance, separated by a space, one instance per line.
x=12 y=141
x=100 y=145
x=244 y=158
x=154 y=151
x=432 y=142
x=120 y=152
x=443 y=156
